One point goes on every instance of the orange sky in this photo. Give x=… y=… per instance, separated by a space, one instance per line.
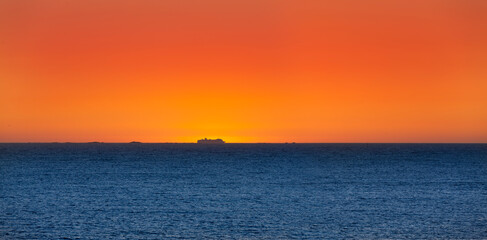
x=243 y=70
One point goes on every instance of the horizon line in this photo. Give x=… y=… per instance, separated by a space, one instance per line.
x=138 y=142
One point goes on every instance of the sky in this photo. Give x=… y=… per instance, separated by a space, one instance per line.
x=243 y=70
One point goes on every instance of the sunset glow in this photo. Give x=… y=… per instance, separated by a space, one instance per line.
x=243 y=71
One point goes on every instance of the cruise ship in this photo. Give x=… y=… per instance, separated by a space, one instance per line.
x=211 y=141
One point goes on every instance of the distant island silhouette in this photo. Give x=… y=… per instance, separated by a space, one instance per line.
x=211 y=141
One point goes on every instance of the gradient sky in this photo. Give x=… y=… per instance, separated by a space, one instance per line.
x=243 y=70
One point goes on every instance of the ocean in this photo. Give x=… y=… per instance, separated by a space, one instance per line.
x=243 y=191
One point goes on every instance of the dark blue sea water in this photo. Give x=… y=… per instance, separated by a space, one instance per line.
x=243 y=191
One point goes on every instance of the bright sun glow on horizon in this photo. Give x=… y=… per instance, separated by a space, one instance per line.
x=243 y=71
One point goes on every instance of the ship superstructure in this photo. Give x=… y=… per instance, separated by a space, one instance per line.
x=211 y=141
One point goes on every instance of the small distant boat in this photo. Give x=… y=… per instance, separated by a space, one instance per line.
x=134 y=142
x=211 y=141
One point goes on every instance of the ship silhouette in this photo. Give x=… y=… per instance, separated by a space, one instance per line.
x=211 y=141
